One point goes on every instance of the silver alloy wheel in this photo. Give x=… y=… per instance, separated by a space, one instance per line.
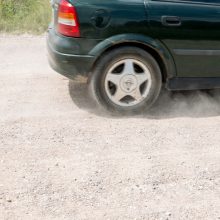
x=128 y=82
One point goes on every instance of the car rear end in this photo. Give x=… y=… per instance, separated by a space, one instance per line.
x=67 y=49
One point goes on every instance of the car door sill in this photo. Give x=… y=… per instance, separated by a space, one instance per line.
x=187 y=52
x=193 y=83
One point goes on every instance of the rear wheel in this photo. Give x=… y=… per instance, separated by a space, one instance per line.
x=126 y=80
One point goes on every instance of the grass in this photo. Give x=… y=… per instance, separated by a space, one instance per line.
x=24 y=16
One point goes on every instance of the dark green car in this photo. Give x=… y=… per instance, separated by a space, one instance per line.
x=129 y=48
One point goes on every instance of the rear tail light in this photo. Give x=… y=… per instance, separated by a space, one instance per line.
x=68 y=24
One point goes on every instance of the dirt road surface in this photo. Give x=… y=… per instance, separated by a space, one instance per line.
x=61 y=158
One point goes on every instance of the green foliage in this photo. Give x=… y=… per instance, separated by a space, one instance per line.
x=32 y=16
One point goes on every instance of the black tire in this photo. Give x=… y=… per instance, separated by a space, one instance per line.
x=97 y=78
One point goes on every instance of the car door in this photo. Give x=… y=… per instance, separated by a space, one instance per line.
x=190 y=29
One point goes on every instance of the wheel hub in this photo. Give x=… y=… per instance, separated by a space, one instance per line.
x=128 y=83
x=124 y=85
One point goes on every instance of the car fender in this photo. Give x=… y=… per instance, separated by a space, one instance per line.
x=156 y=45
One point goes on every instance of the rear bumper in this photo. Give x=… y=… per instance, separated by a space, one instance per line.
x=64 y=57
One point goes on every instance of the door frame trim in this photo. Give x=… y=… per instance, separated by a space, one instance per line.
x=187 y=2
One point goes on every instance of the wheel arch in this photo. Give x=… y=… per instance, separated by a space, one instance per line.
x=153 y=47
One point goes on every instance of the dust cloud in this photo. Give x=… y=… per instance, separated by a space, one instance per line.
x=204 y=103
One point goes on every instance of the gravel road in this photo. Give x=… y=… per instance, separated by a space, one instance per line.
x=62 y=158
